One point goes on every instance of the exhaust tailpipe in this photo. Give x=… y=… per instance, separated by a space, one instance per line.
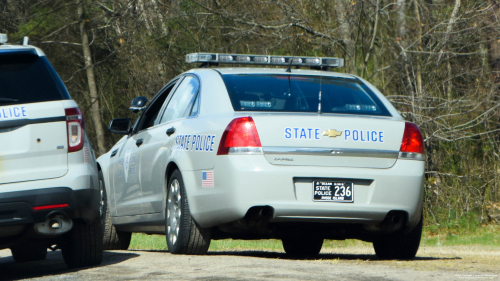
x=55 y=224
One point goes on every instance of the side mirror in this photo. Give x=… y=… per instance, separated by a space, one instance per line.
x=138 y=104
x=120 y=126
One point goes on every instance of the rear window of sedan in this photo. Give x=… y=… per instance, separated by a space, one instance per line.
x=300 y=93
x=28 y=78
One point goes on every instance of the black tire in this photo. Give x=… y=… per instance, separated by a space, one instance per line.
x=302 y=246
x=83 y=244
x=183 y=234
x=112 y=239
x=399 y=246
x=29 y=252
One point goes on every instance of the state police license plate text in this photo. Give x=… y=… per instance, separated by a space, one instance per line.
x=333 y=191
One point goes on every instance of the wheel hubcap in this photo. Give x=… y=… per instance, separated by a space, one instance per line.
x=173 y=211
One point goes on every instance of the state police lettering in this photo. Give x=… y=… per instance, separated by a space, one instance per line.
x=195 y=143
x=302 y=133
x=13 y=112
x=364 y=135
x=349 y=134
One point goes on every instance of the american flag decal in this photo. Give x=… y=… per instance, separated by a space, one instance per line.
x=207 y=179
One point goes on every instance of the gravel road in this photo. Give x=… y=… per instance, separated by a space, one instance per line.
x=351 y=263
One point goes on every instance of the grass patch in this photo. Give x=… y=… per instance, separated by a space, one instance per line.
x=486 y=236
x=142 y=241
x=239 y=245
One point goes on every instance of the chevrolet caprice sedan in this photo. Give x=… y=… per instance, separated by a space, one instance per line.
x=258 y=153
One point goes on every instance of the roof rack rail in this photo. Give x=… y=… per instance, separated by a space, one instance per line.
x=208 y=59
x=24 y=41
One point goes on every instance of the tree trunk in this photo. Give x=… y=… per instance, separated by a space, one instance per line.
x=95 y=112
x=418 y=60
x=452 y=20
x=401 y=7
x=345 y=35
x=494 y=60
x=374 y=36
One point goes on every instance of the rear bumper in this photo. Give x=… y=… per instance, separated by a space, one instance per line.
x=16 y=208
x=79 y=188
x=246 y=181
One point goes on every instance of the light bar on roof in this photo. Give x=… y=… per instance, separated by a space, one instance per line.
x=3 y=38
x=264 y=60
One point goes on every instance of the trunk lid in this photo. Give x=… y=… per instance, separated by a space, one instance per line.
x=329 y=140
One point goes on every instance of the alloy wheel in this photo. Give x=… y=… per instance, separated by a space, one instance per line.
x=173 y=211
x=101 y=204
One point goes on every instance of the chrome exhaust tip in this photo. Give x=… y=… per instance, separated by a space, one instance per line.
x=55 y=224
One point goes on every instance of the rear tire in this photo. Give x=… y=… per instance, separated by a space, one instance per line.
x=399 y=246
x=29 y=252
x=302 y=246
x=112 y=239
x=83 y=244
x=183 y=234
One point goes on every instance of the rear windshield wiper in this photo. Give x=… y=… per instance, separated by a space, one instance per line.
x=8 y=100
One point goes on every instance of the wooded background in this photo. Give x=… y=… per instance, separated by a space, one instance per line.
x=437 y=61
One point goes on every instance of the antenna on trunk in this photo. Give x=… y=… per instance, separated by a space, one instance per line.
x=319 y=96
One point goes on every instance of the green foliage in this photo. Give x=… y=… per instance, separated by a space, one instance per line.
x=43 y=22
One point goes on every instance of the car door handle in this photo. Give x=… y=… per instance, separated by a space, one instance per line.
x=139 y=142
x=170 y=131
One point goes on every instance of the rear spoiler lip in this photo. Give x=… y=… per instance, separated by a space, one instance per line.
x=26 y=51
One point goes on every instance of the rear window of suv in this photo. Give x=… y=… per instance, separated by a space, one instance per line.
x=300 y=93
x=28 y=78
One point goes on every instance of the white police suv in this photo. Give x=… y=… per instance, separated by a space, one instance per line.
x=49 y=189
x=258 y=153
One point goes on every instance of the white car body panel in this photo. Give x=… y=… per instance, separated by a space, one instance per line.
x=382 y=182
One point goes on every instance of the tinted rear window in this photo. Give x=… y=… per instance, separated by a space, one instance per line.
x=27 y=79
x=300 y=93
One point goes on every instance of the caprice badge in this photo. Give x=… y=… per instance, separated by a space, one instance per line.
x=332 y=133
x=283 y=159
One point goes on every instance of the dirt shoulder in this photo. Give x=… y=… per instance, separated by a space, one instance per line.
x=349 y=263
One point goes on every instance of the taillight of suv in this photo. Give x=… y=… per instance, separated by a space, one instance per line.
x=75 y=124
x=240 y=137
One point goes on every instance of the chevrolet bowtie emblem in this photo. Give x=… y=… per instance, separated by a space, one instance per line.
x=332 y=133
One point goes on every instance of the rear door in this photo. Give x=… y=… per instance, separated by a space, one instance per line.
x=158 y=142
x=127 y=169
x=318 y=121
x=33 y=134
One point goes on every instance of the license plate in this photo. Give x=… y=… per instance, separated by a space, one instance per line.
x=333 y=191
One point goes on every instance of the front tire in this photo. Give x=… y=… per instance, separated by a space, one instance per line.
x=83 y=244
x=183 y=234
x=112 y=239
x=29 y=252
x=399 y=246
x=302 y=246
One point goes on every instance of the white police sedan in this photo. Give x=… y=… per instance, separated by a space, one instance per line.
x=258 y=153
